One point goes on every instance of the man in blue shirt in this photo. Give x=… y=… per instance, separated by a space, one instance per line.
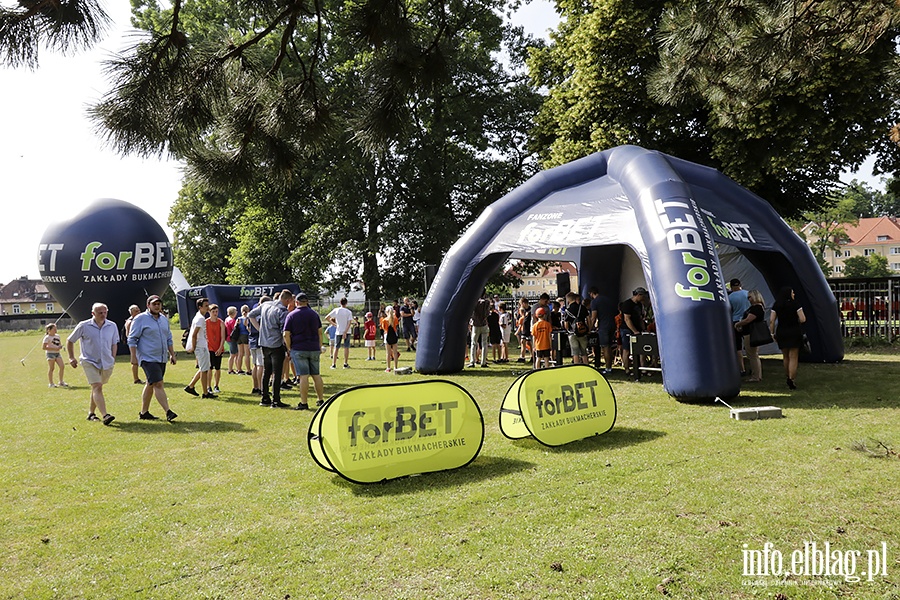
x=269 y=318
x=739 y=303
x=303 y=335
x=150 y=343
x=99 y=340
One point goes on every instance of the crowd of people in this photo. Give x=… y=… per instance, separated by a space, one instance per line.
x=279 y=342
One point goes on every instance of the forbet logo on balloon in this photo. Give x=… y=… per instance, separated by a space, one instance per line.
x=145 y=256
x=111 y=252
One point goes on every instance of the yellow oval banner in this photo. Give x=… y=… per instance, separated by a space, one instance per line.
x=374 y=433
x=558 y=405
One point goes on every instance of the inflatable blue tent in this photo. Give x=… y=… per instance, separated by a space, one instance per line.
x=629 y=216
x=226 y=296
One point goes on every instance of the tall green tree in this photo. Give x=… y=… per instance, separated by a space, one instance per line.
x=826 y=229
x=781 y=96
x=376 y=131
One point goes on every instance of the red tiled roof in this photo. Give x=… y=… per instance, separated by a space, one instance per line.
x=867 y=232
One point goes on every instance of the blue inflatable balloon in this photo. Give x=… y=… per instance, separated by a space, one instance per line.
x=111 y=252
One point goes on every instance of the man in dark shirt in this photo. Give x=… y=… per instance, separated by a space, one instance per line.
x=480 y=330
x=303 y=335
x=603 y=322
x=632 y=310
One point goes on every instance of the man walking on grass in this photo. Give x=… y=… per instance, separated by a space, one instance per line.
x=150 y=343
x=99 y=339
x=198 y=344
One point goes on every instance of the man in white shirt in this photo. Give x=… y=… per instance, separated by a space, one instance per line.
x=198 y=345
x=99 y=341
x=340 y=317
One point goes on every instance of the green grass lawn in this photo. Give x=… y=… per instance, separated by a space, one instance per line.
x=226 y=502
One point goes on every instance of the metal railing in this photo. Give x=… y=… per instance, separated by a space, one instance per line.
x=868 y=307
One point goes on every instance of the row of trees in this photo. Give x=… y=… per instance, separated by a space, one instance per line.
x=327 y=141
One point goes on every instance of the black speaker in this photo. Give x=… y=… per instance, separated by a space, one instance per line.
x=563 y=285
x=430 y=272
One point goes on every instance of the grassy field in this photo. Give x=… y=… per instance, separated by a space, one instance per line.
x=226 y=502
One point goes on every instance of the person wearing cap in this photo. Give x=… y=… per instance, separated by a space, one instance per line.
x=302 y=334
x=739 y=301
x=370 y=334
x=541 y=332
x=99 y=340
x=632 y=310
x=150 y=343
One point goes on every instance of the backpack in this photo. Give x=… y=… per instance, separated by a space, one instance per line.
x=580 y=325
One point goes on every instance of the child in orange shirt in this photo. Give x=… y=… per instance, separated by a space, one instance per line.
x=540 y=332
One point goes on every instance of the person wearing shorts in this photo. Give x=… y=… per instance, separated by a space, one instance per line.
x=99 y=340
x=198 y=344
x=52 y=346
x=303 y=335
x=150 y=344
x=370 y=335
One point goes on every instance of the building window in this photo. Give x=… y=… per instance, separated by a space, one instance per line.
x=895 y=250
x=17 y=310
x=838 y=269
x=837 y=254
x=895 y=266
x=882 y=238
x=33 y=308
x=846 y=253
x=49 y=307
x=869 y=251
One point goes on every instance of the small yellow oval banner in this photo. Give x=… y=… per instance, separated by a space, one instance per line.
x=558 y=405
x=374 y=433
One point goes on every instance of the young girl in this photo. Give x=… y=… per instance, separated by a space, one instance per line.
x=389 y=326
x=505 y=330
x=53 y=345
x=370 y=335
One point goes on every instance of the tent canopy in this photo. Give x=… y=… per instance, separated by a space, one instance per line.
x=675 y=217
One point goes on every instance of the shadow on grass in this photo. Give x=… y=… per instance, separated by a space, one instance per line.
x=180 y=425
x=619 y=437
x=484 y=467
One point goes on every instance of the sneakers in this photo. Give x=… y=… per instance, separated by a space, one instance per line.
x=92 y=417
x=146 y=416
x=280 y=404
x=302 y=406
x=287 y=385
x=232 y=372
x=388 y=370
x=319 y=403
x=265 y=402
x=256 y=391
x=62 y=384
x=107 y=419
x=346 y=366
x=50 y=385
x=215 y=390
x=790 y=384
x=470 y=365
x=191 y=390
x=138 y=382
x=334 y=366
x=170 y=416
x=213 y=396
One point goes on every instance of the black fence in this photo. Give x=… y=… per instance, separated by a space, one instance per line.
x=868 y=307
